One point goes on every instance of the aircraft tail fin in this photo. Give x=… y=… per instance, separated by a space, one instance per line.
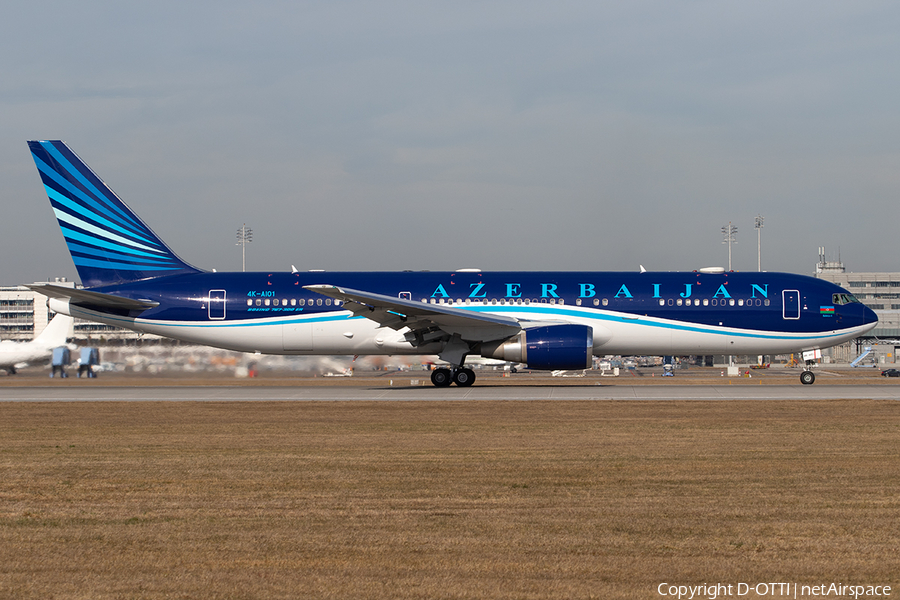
x=108 y=242
x=57 y=330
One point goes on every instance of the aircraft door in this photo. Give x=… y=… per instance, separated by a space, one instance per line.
x=791 y=303
x=297 y=337
x=216 y=304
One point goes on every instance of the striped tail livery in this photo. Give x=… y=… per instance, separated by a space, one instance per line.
x=109 y=243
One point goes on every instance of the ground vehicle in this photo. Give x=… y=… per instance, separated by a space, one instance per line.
x=891 y=373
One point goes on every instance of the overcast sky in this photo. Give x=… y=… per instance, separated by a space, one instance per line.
x=497 y=135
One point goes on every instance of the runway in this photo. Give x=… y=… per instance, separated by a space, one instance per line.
x=422 y=393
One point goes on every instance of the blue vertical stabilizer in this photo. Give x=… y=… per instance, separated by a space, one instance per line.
x=108 y=242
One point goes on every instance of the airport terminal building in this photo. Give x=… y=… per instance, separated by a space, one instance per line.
x=881 y=293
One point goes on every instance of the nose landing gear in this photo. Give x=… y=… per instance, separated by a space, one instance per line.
x=807 y=377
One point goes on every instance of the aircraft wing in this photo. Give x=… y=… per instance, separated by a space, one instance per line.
x=421 y=318
x=91 y=299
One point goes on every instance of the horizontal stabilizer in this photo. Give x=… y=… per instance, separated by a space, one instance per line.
x=91 y=299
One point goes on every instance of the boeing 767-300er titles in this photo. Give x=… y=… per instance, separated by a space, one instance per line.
x=548 y=320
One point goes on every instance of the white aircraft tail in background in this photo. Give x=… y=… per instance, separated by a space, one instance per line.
x=18 y=354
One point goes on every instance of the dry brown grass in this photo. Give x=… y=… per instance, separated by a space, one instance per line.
x=443 y=500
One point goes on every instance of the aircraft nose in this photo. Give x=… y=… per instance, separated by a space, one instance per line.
x=857 y=314
x=869 y=316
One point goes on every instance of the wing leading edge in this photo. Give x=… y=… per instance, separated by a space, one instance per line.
x=422 y=318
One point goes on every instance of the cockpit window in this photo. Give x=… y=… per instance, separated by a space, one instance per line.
x=844 y=299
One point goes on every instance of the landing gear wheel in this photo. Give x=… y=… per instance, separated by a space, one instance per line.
x=464 y=377
x=441 y=377
x=807 y=377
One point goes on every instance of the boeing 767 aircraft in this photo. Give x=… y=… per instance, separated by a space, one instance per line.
x=546 y=319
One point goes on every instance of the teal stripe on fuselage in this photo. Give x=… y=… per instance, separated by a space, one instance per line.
x=674 y=326
x=639 y=320
x=228 y=324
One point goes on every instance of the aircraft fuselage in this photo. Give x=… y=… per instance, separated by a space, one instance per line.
x=630 y=313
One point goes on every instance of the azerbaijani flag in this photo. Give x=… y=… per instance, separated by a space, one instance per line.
x=826 y=311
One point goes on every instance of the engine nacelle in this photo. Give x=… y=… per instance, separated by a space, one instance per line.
x=550 y=347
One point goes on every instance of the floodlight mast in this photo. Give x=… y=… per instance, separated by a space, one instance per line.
x=244 y=236
x=728 y=231
x=759 y=226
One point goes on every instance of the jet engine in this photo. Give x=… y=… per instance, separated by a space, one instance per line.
x=549 y=347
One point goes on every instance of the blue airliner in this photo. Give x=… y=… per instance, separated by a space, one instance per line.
x=547 y=320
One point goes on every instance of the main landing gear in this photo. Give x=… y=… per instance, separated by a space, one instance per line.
x=462 y=376
x=807 y=377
